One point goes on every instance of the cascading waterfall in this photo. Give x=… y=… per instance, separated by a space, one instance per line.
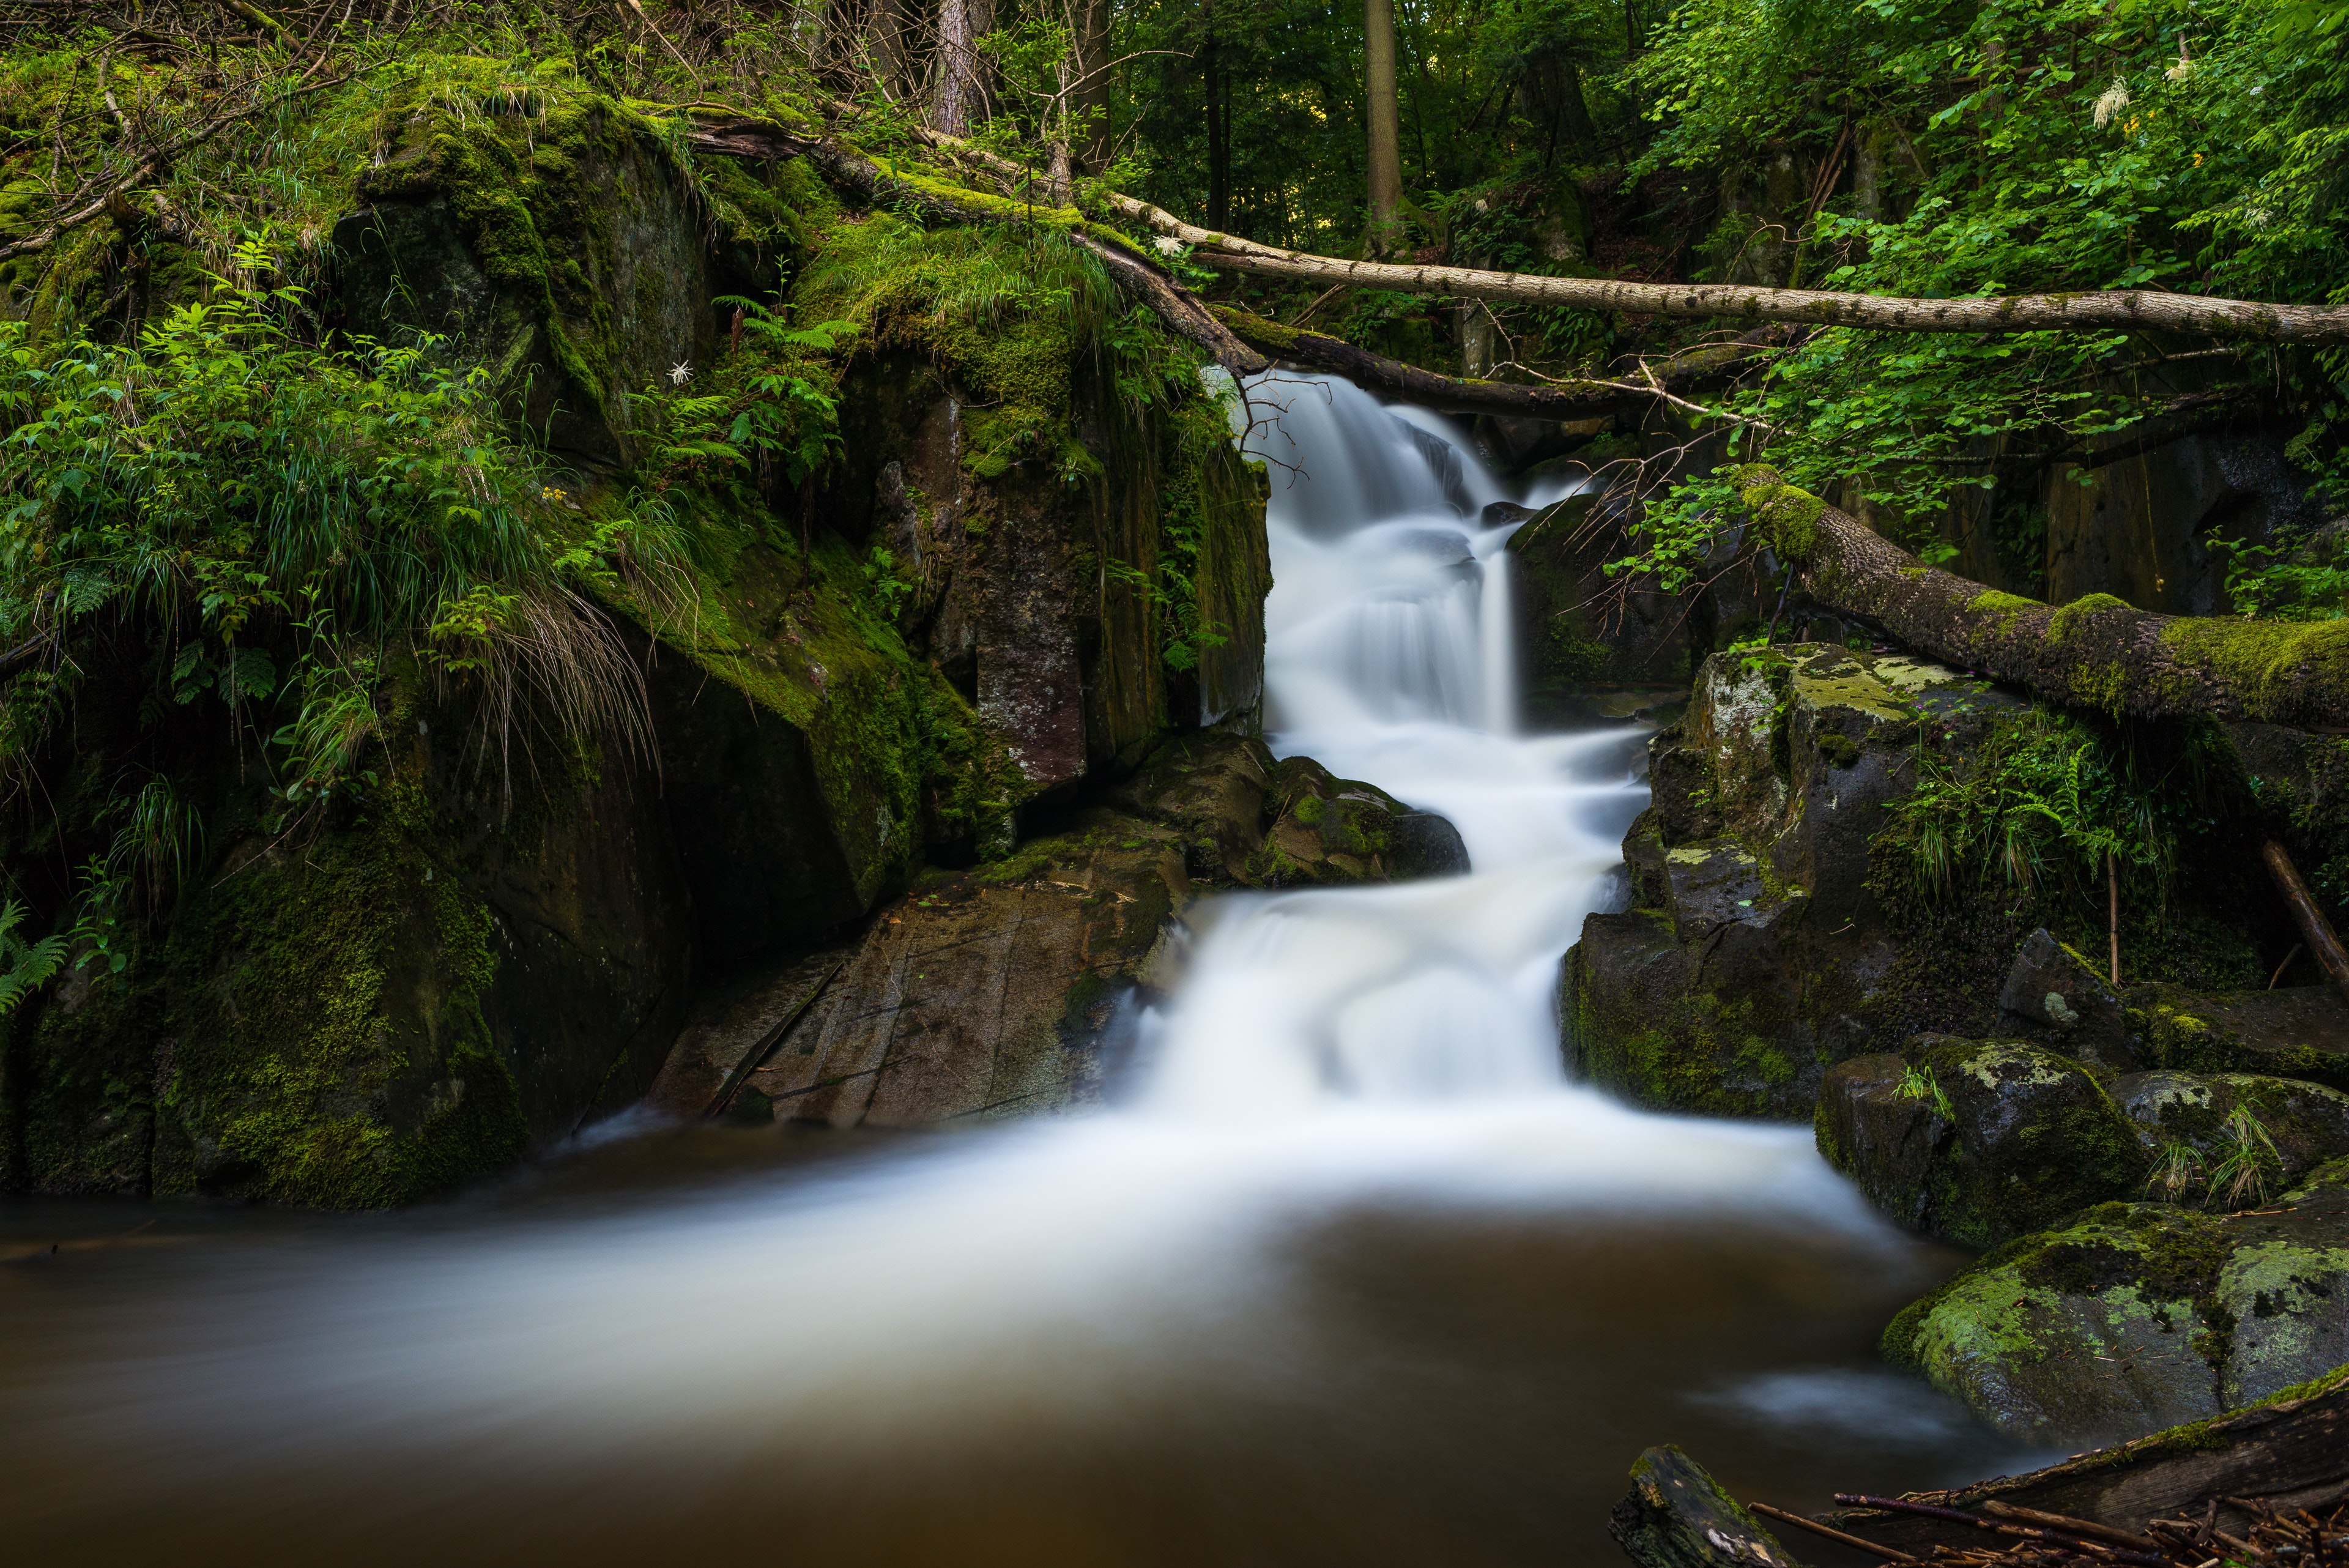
x=1121 y=1319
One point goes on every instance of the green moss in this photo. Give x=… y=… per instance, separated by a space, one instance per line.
x=2067 y=618
x=333 y=1052
x=1789 y=516
x=2007 y=608
x=2279 y=669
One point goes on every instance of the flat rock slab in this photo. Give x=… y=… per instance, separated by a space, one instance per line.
x=2292 y=1031
x=730 y=1029
x=972 y=1000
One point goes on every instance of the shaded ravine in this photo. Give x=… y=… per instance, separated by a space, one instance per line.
x=1351 y=1273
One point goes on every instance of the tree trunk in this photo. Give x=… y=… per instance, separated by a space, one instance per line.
x=1091 y=132
x=1386 y=162
x=958 y=102
x=1219 y=146
x=890 y=42
x=2095 y=652
x=1564 y=400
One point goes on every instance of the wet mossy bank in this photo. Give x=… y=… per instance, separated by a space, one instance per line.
x=1014 y=558
x=1875 y=893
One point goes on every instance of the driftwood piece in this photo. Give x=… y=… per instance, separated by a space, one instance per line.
x=2315 y=932
x=2095 y=652
x=1677 y=1516
x=2294 y=1451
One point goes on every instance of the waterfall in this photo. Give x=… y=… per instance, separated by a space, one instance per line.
x=917 y=1344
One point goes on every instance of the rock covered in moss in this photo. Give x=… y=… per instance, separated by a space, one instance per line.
x=1677 y=1516
x=2292 y=1031
x=1744 y=968
x=1976 y=1141
x=2137 y=1317
x=2055 y=996
x=2192 y=1124
x=1248 y=820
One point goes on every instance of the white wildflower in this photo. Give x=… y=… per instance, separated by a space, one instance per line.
x=2116 y=99
x=1168 y=245
x=680 y=373
x=2183 y=68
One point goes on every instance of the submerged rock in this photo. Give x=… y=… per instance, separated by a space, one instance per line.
x=1976 y=1142
x=2136 y=1316
x=1745 y=966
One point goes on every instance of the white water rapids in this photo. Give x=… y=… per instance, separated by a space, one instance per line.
x=818 y=1352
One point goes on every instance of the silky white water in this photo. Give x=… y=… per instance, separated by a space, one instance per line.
x=930 y=1315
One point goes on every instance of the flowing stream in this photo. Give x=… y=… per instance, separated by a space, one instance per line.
x=1350 y=1274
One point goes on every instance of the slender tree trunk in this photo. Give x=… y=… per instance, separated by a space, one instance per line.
x=955 y=106
x=1093 y=131
x=1386 y=162
x=1219 y=146
x=891 y=35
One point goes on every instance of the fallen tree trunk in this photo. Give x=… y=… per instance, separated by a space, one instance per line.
x=1560 y=400
x=2095 y=652
x=2132 y=310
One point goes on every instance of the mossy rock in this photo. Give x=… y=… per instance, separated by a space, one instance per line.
x=2133 y=1317
x=2304 y=1125
x=1976 y=1142
x=2294 y=1031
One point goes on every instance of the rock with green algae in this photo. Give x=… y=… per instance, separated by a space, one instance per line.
x=2291 y=1031
x=1976 y=1142
x=2136 y=1316
x=2057 y=998
x=1743 y=968
x=2225 y=1116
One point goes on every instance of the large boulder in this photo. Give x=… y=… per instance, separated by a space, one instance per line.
x=1976 y=1142
x=2199 y=1132
x=2133 y=1316
x=1010 y=989
x=1748 y=961
x=2292 y=1032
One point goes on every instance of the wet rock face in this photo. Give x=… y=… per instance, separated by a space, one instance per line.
x=1976 y=1142
x=1744 y=966
x=2197 y=1130
x=2136 y=1316
x=1011 y=989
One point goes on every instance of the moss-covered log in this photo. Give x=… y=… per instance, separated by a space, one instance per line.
x=2095 y=652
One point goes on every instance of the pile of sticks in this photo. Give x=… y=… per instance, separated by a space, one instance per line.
x=2275 y=1537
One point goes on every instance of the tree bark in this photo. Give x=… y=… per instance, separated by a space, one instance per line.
x=2125 y=310
x=1385 y=161
x=2315 y=930
x=956 y=103
x=2130 y=309
x=1092 y=137
x=1456 y=395
x=2095 y=652
x=1219 y=147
